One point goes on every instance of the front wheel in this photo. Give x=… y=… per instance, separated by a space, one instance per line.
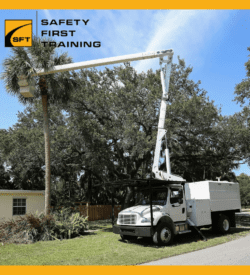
x=224 y=224
x=164 y=235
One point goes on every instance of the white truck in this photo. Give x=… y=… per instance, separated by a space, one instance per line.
x=172 y=206
x=178 y=208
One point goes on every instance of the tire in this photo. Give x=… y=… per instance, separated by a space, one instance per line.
x=215 y=224
x=223 y=224
x=155 y=238
x=164 y=234
x=128 y=238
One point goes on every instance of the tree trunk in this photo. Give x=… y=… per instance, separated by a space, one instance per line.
x=47 y=154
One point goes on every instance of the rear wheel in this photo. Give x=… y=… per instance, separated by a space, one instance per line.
x=224 y=224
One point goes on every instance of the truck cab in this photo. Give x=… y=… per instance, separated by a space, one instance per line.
x=168 y=201
x=168 y=207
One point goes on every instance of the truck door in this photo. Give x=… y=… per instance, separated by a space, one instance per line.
x=177 y=205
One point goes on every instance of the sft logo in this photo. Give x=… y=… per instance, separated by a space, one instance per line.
x=18 y=33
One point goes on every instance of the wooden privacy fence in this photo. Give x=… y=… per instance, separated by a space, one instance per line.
x=98 y=212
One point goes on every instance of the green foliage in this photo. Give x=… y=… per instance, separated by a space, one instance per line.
x=114 y=112
x=26 y=229
x=203 y=143
x=5 y=182
x=244 y=182
x=52 y=88
x=22 y=147
x=27 y=60
x=108 y=132
x=67 y=224
x=242 y=90
x=63 y=224
x=117 y=114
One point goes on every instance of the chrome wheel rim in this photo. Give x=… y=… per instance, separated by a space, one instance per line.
x=165 y=235
x=226 y=225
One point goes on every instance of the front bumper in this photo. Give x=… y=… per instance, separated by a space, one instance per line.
x=138 y=231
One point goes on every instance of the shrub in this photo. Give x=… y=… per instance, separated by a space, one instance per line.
x=68 y=224
x=33 y=227
x=26 y=229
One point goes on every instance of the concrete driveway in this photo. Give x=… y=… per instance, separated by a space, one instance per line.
x=236 y=252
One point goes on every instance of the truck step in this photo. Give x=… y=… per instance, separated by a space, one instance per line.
x=183 y=232
x=181 y=223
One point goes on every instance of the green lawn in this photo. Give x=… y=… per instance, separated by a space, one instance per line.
x=102 y=247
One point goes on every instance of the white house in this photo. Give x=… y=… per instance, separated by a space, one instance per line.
x=14 y=203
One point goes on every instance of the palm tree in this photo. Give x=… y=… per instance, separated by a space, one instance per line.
x=52 y=88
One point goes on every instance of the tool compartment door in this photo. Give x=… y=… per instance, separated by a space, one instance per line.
x=224 y=196
x=199 y=212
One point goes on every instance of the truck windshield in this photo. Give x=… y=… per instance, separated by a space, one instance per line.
x=158 y=198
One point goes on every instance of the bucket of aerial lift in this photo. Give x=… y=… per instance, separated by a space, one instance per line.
x=27 y=88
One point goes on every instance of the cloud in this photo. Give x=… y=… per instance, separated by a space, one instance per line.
x=48 y=15
x=121 y=32
x=186 y=32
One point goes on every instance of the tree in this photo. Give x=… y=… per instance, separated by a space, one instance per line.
x=5 y=182
x=109 y=129
x=21 y=148
x=116 y=114
x=203 y=143
x=50 y=88
x=242 y=90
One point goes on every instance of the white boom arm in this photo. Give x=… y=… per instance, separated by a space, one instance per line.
x=27 y=89
x=106 y=61
x=165 y=78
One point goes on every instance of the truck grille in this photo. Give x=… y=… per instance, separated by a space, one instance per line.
x=127 y=219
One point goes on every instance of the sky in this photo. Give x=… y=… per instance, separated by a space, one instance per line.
x=213 y=42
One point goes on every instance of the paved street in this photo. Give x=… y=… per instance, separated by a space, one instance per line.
x=236 y=252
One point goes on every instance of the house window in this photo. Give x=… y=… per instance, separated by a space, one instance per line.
x=19 y=206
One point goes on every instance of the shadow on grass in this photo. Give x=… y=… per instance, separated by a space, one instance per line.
x=98 y=225
x=189 y=237
x=88 y=233
x=108 y=230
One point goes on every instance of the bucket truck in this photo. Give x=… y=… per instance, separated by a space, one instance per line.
x=171 y=205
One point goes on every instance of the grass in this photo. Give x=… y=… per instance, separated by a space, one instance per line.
x=97 y=225
x=101 y=247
